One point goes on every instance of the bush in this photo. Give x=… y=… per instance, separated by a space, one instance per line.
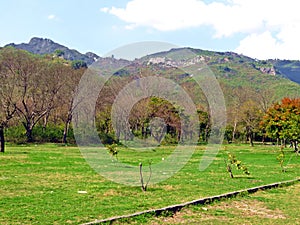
x=16 y=134
x=169 y=139
x=107 y=139
x=52 y=133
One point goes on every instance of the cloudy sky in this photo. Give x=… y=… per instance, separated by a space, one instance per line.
x=256 y=28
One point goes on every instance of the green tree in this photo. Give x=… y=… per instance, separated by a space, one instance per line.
x=204 y=125
x=77 y=64
x=59 y=53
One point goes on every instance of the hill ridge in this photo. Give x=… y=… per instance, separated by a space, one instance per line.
x=43 y=46
x=289 y=69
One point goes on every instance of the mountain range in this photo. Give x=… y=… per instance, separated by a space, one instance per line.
x=229 y=63
x=44 y=46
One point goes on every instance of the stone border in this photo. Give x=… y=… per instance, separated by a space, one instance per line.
x=201 y=201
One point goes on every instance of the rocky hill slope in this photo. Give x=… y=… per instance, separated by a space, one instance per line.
x=229 y=64
x=43 y=46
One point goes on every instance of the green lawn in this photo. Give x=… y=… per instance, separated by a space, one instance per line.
x=40 y=183
x=276 y=206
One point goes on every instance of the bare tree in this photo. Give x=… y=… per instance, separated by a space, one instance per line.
x=37 y=87
x=237 y=97
x=66 y=96
x=8 y=93
x=266 y=98
x=250 y=115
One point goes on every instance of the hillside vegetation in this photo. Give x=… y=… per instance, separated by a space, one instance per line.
x=38 y=91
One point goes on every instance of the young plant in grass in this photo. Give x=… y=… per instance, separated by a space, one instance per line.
x=281 y=159
x=145 y=185
x=231 y=161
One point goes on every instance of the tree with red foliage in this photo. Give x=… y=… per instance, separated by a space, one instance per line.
x=282 y=121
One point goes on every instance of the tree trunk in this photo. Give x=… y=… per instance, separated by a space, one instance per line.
x=29 y=134
x=251 y=140
x=66 y=131
x=45 y=123
x=206 y=133
x=250 y=135
x=144 y=134
x=234 y=131
x=263 y=140
x=2 y=140
x=230 y=171
x=296 y=146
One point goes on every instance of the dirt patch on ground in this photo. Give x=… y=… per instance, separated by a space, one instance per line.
x=178 y=218
x=249 y=208
x=223 y=212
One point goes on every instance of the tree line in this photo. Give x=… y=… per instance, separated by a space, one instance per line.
x=35 y=91
x=37 y=94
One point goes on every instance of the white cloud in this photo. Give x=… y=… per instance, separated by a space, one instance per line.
x=161 y=15
x=284 y=45
x=236 y=16
x=262 y=46
x=259 y=20
x=168 y=15
x=51 y=17
x=104 y=9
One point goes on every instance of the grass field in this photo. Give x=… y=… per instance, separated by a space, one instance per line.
x=40 y=184
x=276 y=206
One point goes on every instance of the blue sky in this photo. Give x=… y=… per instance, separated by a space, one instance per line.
x=257 y=28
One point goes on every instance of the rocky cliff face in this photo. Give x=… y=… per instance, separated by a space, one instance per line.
x=43 y=46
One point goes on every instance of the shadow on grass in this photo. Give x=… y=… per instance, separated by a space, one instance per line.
x=243 y=177
x=15 y=153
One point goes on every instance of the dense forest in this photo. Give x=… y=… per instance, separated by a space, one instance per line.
x=37 y=99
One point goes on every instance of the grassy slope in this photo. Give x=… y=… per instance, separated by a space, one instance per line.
x=40 y=184
x=243 y=72
x=237 y=71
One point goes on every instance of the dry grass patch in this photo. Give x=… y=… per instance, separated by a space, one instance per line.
x=249 y=208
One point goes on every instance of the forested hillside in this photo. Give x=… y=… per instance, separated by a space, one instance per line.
x=37 y=94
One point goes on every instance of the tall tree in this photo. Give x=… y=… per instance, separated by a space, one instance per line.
x=8 y=93
x=282 y=121
x=66 y=96
x=236 y=99
x=250 y=115
x=204 y=124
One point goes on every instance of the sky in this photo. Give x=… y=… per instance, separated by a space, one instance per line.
x=262 y=29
